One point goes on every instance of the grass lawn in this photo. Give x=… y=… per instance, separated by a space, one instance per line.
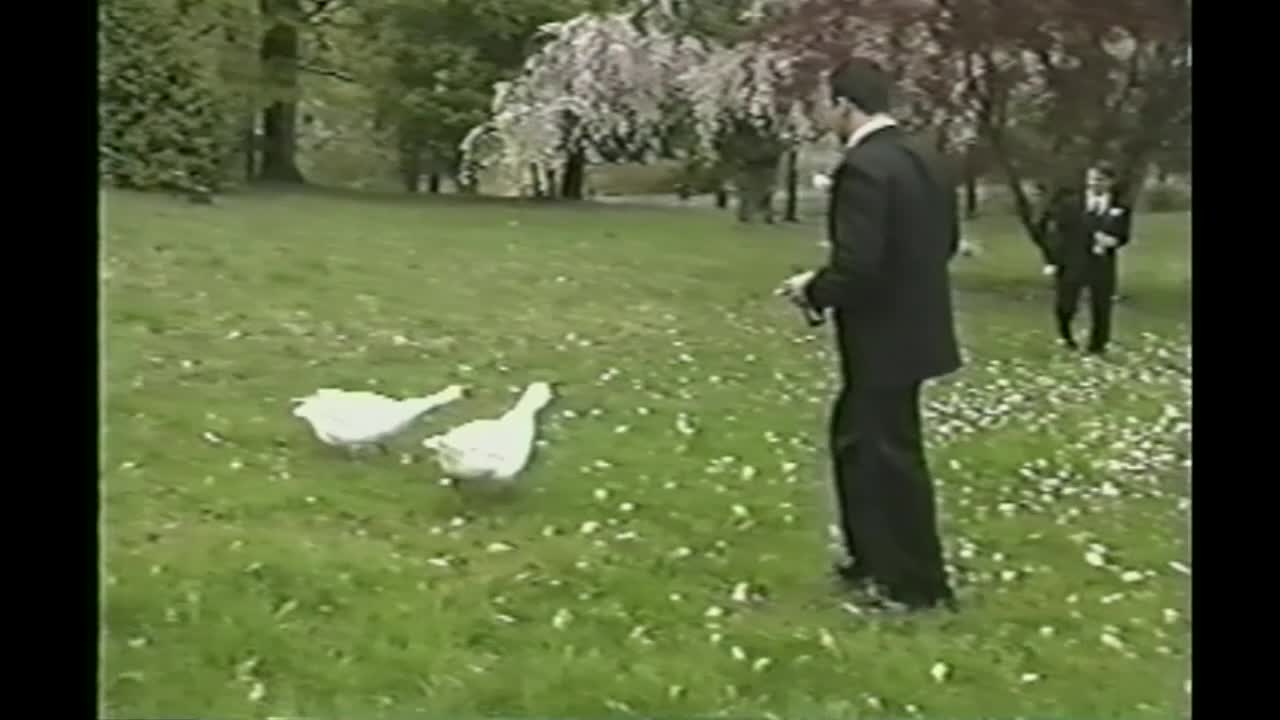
x=252 y=572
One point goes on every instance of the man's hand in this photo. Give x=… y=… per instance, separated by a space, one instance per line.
x=1103 y=242
x=1049 y=270
x=793 y=288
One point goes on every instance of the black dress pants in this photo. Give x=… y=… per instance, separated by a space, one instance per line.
x=886 y=497
x=1098 y=275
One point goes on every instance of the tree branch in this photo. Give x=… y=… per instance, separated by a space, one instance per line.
x=327 y=72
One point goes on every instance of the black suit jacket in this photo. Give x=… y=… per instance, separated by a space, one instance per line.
x=893 y=226
x=1072 y=227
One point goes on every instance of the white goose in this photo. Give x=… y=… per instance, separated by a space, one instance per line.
x=354 y=419
x=494 y=449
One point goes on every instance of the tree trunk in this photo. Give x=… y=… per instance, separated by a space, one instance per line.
x=756 y=181
x=411 y=168
x=280 y=144
x=433 y=183
x=793 y=188
x=536 y=178
x=279 y=55
x=1021 y=203
x=575 y=170
x=746 y=202
x=970 y=194
x=970 y=185
x=250 y=147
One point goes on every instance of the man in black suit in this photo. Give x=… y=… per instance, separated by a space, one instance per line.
x=1085 y=230
x=893 y=228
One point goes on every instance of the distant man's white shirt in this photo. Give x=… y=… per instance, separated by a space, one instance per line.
x=1098 y=203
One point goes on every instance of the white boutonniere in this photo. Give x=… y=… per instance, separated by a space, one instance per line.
x=1117 y=211
x=822 y=182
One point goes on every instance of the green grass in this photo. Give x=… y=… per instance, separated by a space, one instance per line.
x=266 y=561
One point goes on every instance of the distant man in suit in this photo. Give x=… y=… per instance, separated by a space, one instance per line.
x=893 y=228
x=1085 y=231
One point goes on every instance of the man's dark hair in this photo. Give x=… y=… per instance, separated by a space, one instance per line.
x=862 y=83
x=1106 y=169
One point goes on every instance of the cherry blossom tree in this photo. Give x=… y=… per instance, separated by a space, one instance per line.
x=600 y=87
x=1043 y=88
x=750 y=104
x=621 y=86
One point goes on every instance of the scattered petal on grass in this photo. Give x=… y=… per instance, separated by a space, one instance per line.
x=257 y=692
x=561 y=619
x=826 y=639
x=940 y=672
x=499 y=547
x=285 y=608
x=1112 y=641
x=1028 y=678
x=738 y=653
x=618 y=706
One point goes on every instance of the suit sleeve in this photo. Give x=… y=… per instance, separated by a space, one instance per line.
x=860 y=230
x=1121 y=227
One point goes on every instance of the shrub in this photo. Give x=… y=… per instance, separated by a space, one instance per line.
x=1167 y=197
x=165 y=119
